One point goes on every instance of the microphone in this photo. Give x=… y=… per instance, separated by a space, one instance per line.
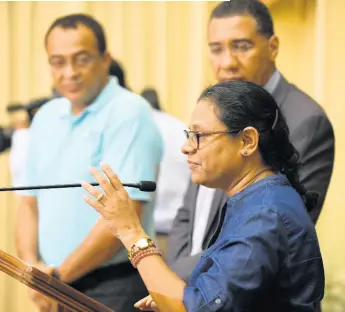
x=144 y=186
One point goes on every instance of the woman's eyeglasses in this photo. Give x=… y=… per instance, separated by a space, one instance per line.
x=194 y=137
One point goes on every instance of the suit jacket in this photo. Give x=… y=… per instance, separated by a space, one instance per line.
x=310 y=132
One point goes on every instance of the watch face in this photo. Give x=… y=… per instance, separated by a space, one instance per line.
x=142 y=243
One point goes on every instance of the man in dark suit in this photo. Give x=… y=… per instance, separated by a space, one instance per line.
x=243 y=46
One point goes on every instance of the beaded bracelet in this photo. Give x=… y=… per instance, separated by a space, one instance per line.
x=145 y=253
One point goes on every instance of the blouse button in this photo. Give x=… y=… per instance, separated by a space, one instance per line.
x=218 y=301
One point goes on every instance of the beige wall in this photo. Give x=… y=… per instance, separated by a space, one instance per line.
x=169 y=52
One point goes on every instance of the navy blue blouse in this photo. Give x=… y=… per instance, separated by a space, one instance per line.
x=266 y=257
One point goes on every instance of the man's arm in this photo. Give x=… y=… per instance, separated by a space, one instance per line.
x=314 y=140
x=26 y=233
x=99 y=246
x=27 y=230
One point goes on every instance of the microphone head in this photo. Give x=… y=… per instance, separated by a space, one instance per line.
x=147 y=186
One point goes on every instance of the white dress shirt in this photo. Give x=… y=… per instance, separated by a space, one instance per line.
x=174 y=174
x=205 y=195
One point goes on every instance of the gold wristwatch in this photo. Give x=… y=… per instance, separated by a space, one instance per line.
x=141 y=244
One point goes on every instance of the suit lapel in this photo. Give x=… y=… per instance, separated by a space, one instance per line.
x=218 y=202
x=193 y=203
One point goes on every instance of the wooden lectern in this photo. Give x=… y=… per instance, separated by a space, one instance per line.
x=67 y=298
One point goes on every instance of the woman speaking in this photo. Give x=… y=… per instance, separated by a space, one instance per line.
x=265 y=254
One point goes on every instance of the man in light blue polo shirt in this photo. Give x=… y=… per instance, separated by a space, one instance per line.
x=95 y=120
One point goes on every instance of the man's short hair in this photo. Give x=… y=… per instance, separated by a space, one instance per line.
x=73 y=20
x=254 y=8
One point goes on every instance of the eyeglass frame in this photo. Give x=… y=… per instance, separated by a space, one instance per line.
x=201 y=134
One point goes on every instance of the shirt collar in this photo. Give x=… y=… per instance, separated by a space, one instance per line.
x=272 y=83
x=102 y=99
x=277 y=179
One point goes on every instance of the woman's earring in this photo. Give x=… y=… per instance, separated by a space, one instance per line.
x=244 y=153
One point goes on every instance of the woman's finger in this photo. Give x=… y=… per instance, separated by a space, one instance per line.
x=91 y=189
x=149 y=301
x=103 y=181
x=114 y=180
x=153 y=305
x=146 y=304
x=94 y=204
x=141 y=303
